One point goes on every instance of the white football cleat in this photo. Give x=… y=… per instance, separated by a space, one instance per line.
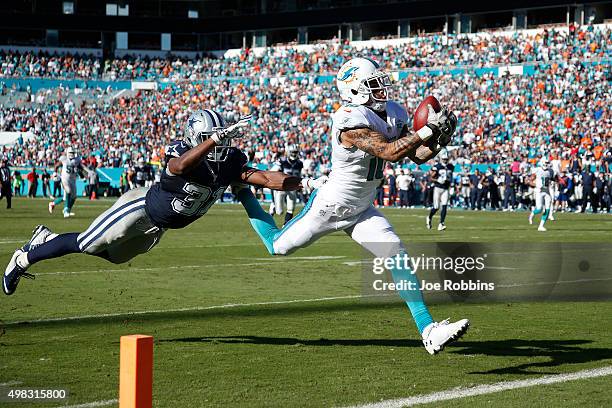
x=72 y=214
x=51 y=207
x=66 y=215
x=428 y=222
x=551 y=218
x=40 y=235
x=541 y=228
x=530 y=218
x=441 y=227
x=438 y=334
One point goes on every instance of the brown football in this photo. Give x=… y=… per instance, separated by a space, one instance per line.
x=421 y=113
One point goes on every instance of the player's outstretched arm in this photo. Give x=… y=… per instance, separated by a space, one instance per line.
x=274 y=180
x=191 y=158
x=376 y=144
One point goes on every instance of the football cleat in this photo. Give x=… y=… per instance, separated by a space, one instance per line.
x=551 y=218
x=13 y=273
x=39 y=236
x=51 y=207
x=441 y=227
x=428 y=222
x=71 y=214
x=541 y=228
x=437 y=335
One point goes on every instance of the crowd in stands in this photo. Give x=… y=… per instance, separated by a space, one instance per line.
x=561 y=111
x=436 y=50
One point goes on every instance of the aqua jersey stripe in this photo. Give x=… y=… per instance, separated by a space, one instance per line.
x=298 y=217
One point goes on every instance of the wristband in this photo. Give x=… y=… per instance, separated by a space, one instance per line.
x=215 y=137
x=425 y=133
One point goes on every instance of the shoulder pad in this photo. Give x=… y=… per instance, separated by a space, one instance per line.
x=176 y=148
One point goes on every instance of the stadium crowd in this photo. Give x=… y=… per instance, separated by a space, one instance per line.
x=428 y=51
x=507 y=122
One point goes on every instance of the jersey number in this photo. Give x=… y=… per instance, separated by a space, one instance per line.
x=198 y=200
x=375 y=171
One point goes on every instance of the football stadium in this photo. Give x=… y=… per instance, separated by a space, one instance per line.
x=305 y=203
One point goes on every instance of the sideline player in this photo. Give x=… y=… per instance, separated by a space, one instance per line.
x=366 y=131
x=286 y=200
x=540 y=180
x=199 y=169
x=442 y=175
x=72 y=167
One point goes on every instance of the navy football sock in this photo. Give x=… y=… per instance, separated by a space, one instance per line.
x=432 y=212
x=443 y=214
x=288 y=216
x=61 y=245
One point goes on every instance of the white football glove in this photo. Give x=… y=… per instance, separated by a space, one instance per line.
x=232 y=131
x=312 y=183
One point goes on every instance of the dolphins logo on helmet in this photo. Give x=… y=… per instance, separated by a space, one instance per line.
x=348 y=75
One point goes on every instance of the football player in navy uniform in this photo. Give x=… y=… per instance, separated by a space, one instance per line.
x=292 y=166
x=442 y=175
x=199 y=169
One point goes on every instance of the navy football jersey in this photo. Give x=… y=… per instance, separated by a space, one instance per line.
x=177 y=201
x=292 y=167
x=444 y=174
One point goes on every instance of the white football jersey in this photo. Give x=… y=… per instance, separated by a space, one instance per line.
x=355 y=174
x=70 y=168
x=543 y=179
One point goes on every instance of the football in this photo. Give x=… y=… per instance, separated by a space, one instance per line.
x=421 y=113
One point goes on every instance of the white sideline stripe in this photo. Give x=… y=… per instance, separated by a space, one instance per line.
x=487 y=389
x=10 y=383
x=189 y=309
x=92 y=404
x=316 y=259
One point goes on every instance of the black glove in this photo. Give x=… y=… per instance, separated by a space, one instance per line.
x=446 y=128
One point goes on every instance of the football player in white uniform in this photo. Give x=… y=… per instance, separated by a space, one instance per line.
x=540 y=180
x=367 y=130
x=71 y=169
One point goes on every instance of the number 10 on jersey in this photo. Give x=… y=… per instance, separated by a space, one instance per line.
x=375 y=170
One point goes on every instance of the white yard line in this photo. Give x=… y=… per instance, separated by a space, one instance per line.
x=447 y=395
x=188 y=309
x=92 y=404
x=264 y=261
x=487 y=389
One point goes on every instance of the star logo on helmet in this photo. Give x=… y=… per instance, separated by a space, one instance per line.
x=192 y=121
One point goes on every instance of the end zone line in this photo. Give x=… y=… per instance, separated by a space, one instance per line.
x=487 y=389
x=186 y=309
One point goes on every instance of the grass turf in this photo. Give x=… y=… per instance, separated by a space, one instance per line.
x=324 y=353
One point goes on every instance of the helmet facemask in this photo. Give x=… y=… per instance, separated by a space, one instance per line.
x=379 y=81
x=220 y=152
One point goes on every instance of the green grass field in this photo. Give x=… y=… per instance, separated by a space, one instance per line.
x=235 y=327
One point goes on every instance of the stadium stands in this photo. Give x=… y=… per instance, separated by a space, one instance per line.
x=561 y=109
